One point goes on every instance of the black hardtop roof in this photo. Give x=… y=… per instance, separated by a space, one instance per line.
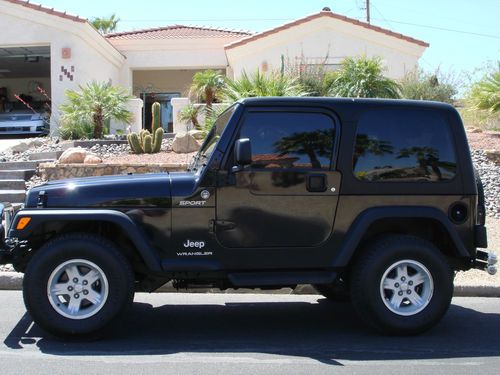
x=329 y=101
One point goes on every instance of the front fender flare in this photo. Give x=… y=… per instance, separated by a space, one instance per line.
x=135 y=234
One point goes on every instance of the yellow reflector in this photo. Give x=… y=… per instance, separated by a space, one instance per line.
x=23 y=222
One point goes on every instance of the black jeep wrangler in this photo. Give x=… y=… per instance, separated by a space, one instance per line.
x=372 y=200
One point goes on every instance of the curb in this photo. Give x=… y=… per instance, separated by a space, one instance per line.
x=14 y=281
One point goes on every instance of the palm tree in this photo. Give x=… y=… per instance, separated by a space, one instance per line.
x=190 y=114
x=485 y=94
x=207 y=85
x=105 y=25
x=96 y=103
x=259 y=84
x=361 y=77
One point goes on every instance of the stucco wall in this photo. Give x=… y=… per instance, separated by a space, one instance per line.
x=324 y=37
x=92 y=58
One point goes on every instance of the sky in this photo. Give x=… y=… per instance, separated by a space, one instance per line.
x=464 y=35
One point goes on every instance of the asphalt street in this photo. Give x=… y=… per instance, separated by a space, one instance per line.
x=252 y=333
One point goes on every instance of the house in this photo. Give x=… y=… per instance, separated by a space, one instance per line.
x=42 y=47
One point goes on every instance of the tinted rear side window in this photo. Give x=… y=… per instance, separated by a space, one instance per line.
x=289 y=139
x=403 y=145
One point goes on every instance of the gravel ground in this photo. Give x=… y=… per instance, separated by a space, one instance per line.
x=490 y=176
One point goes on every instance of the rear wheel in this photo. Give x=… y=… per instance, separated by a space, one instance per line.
x=401 y=285
x=77 y=284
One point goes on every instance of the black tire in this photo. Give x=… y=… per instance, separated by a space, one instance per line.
x=68 y=248
x=372 y=302
x=338 y=291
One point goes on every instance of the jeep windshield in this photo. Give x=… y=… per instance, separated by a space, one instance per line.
x=210 y=143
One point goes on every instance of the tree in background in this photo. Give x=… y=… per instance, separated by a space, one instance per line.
x=361 y=77
x=95 y=104
x=262 y=84
x=207 y=85
x=419 y=85
x=105 y=25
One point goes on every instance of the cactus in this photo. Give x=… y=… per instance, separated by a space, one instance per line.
x=135 y=143
x=155 y=123
x=158 y=137
x=146 y=142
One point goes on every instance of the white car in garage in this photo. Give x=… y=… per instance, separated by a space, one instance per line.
x=23 y=122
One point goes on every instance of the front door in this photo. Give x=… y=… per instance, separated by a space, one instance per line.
x=288 y=196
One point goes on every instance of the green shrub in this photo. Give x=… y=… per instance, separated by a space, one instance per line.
x=419 y=85
x=76 y=130
x=484 y=95
x=361 y=77
x=262 y=84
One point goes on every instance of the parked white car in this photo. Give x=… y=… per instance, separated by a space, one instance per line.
x=22 y=122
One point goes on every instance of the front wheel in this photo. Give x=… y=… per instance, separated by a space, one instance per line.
x=77 y=284
x=401 y=285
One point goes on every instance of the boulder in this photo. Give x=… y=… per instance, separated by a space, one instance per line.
x=26 y=145
x=493 y=156
x=197 y=134
x=184 y=143
x=73 y=155
x=92 y=159
x=474 y=130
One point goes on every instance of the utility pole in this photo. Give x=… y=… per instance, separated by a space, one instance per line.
x=368 y=11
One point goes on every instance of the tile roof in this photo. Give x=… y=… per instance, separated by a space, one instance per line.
x=177 y=32
x=41 y=8
x=324 y=13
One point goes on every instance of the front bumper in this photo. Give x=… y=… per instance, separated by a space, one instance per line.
x=7 y=213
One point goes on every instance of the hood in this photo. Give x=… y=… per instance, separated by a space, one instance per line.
x=144 y=190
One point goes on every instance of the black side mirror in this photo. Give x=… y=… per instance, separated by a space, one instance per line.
x=242 y=152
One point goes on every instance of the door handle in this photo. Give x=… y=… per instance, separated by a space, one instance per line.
x=316 y=183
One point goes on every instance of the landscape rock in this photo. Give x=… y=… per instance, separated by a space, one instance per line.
x=184 y=143
x=493 y=156
x=474 y=130
x=73 y=155
x=197 y=134
x=92 y=159
x=26 y=145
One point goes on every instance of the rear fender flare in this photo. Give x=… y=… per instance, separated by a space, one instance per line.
x=368 y=217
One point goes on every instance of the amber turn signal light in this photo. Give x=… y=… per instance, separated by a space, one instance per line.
x=23 y=222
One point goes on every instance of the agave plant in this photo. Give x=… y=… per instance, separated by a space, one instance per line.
x=96 y=103
x=207 y=85
x=361 y=77
x=259 y=84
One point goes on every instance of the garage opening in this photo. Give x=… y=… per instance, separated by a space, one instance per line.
x=25 y=105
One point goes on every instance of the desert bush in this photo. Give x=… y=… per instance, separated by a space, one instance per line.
x=419 y=85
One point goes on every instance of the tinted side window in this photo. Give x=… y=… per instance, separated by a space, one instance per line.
x=403 y=145
x=289 y=139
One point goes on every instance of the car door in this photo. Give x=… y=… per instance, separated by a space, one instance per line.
x=287 y=197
